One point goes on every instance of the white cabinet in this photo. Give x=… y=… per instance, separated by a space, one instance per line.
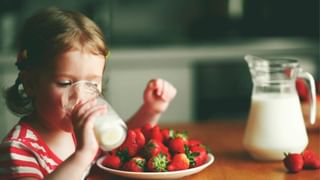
x=126 y=84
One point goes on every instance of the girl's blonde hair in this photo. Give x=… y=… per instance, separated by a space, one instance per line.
x=44 y=36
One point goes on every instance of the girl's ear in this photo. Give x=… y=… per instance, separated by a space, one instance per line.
x=28 y=82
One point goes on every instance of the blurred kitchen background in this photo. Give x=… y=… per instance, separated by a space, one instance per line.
x=197 y=45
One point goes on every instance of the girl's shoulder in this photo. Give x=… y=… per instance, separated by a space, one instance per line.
x=23 y=144
x=22 y=132
x=23 y=135
x=20 y=154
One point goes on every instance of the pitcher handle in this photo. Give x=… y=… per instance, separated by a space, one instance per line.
x=308 y=77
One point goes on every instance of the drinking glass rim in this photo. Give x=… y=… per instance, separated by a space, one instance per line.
x=90 y=84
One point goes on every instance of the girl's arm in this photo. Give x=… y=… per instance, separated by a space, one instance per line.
x=157 y=96
x=72 y=168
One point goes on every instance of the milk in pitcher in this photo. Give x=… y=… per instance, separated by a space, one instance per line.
x=275 y=126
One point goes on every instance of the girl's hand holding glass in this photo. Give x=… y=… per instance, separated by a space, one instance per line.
x=82 y=117
x=90 y=111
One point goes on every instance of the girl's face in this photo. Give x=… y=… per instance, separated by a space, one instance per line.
x=70 y=67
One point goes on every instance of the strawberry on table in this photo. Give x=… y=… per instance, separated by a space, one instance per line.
x=135 y=164
x=112 y=161
x=158 y=163
x=293 y=162
x=311 y=160
x=179 y=161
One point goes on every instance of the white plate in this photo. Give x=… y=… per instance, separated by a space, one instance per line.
x=157 y=175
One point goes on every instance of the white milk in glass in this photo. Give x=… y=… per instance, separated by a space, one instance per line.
x=275 y=126
x=109 y=129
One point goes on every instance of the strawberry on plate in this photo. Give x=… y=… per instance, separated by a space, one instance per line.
x=179 y=161
x=158 y=163
x=146 y=130
x=178 y=142
x=153 y=148
x=167 y=135
x=156 y=134
x=135 y=164
x=129 y=146
x=194 y=142
x=140 y=139
x=112 y=161
x=198 y=155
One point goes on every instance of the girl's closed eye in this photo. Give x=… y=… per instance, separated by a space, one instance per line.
x=96 y=84
x=64 y=83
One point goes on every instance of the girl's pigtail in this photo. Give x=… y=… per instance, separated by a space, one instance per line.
x=17 y=100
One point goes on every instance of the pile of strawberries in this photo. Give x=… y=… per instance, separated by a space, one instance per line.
x=151 y=149
x=295 y=162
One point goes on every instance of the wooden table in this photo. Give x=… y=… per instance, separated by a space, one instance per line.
x=231 y=160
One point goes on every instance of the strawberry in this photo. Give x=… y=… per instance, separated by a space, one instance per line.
x=135 y=164
x=112 y=161
x=311 y=161
x=293 y=162
x=193 y=142
x=164 y=150
x=146 y=130
x=130 y=145
x=177 y=144
x=153 y=148
x=156 y=134
x=140 y=139
x=198 y=155
x=179 y=161
x=158 y=163
x=167 y=134
x=302 y=89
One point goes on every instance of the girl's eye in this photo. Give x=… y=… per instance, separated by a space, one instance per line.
x=95 y=84
x=64 y=83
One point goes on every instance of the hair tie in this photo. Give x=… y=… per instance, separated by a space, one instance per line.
x=22 y=55
x=22 y=59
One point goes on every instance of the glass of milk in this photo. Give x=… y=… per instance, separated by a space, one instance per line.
x=110 y=130
x=275 y=125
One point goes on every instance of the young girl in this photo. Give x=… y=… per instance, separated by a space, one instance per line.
x=58 y=48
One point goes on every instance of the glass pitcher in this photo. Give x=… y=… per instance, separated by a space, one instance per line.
x=275 y=124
